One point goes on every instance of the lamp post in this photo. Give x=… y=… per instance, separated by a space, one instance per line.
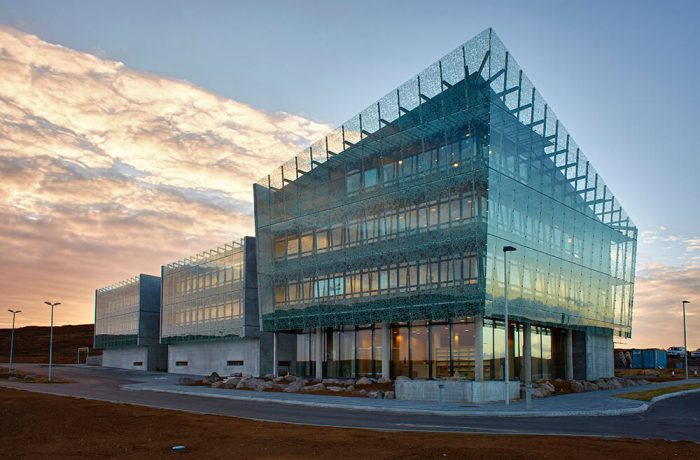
x=12 y=341
x=685 y=341
x=51 y=304
x=506 y=250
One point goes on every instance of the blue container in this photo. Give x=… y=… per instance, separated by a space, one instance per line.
x=653 y=358
x=637 y=359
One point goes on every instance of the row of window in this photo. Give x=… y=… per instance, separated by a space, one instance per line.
x=118 y=301
x=187 y=318
x=452 y=155
x=127 y=324
x=424 y=349
x=445 y=271
x=455 y=210
x=200 y=278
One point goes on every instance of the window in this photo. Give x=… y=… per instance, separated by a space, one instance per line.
x=234 y=363
x=138 y=363
x=352 y=181
x=371 y=178
x=181 y=363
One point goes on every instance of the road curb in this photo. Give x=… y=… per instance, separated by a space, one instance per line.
x=642 y=407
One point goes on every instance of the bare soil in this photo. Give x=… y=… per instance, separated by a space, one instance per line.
x=36 y=426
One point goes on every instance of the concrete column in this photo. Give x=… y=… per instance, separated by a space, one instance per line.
x=386 y=350
x=275 y=354
x=319 y=353
x=569 y=354
x=527 y=353
x=479 y=348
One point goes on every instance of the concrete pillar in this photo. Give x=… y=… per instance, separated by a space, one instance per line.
x=527 y=353
x=479 y=348
x=569 y=355
x=319 y=353
x=386 y=350
x=275 y=354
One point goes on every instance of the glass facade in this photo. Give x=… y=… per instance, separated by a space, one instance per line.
x=126 y=312
x=204 y=296
x=400 y=215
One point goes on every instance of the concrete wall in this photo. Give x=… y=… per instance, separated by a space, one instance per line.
x=600 y=359
x=124 y=358
x=149 y=310
x=455 y=391
x=203 y=358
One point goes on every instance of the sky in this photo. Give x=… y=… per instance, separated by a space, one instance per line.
x=131 y=132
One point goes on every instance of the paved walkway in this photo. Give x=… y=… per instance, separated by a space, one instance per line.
x=595 y=403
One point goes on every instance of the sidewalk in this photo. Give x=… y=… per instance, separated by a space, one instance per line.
x=595 y=403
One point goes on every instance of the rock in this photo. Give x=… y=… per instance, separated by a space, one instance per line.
x=363 y=381
x=251 y=383
x=576 y=386
x=335 y=389
x=316 y=387
x=614 y=384
x=230 y=384
x=626 y=383
x=643 y=382
x=278 y=379
x=213 y=377
x=540 y=392
x=237 y=374
x=295 y=386
x=389 y=395
x=589 y=386
x=361 y=392
x=376 y=394
x=290 y=378
x=384 y=380
x=218 y=384
x=189 y=381
x=264 y=385
x=350 y=387
x=268 y=377
x=602 y=384
x=548 y=386
x=349 y=382
x=29 y=377
x=328 y=382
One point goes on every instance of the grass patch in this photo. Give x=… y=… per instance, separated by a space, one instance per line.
x=648 y=395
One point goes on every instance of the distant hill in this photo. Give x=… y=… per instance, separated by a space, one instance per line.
x=32 y=343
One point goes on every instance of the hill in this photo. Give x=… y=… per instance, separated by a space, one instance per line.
x=32 y=343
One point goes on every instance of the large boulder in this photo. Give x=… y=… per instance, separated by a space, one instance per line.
x=316 y=387
x=251 y=383
x=602 y=384
x=643 y=382
x=295 y=386
x=540 y=392
x=217 y=384
x=328 y=382
x=548 y=386
x=589 y=386
x=384 y=380
x=576 y=386
x=363 y=381
x=614 y=384
x=290 y=378
x=388 y=395
x=264 y=385
x=335 y=389
x=376 y=394
x=231 y=383
x=626 y=383
x=213 y=377
x=278 y=379
x=188 y=381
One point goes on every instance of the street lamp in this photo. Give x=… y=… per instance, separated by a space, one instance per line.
x=506 y=250
x=51 y=304
x=12 y=341
x=685 y=341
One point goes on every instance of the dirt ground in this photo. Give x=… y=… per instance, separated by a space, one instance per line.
x=35 y=426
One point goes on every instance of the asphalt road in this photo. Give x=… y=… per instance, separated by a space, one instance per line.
x=672 y=419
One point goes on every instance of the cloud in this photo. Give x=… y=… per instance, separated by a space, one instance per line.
x=107 y=172
x=658 y=315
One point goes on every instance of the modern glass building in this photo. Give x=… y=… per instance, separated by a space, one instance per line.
x=380 y=247
x=127 y=317
x=210 y=319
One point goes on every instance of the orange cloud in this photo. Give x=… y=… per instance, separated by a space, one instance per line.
x=108 y=172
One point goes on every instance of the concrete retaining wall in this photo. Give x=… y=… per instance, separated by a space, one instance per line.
x=203 y=358
x=455 y=391
x=124 y=358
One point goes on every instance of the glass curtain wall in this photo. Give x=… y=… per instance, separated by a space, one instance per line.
x=117 y=314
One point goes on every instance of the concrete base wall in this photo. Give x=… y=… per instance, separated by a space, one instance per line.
x=600 y=359
x=124 y=358
x=203 y=358
x=455 y=391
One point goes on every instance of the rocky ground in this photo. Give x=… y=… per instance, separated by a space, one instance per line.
x=544 y=388
x=363 y=387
